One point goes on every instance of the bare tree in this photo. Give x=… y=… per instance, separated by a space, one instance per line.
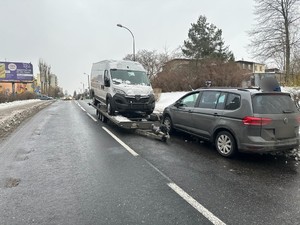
x=276 y=34
x=152 y=61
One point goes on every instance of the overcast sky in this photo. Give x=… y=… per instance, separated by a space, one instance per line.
x=70 y=35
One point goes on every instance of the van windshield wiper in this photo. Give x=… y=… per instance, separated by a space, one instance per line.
x=288 y=111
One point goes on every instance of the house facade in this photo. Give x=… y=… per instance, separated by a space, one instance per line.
x=258 y=71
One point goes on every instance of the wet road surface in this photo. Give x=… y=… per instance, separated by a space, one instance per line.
x=63 y=167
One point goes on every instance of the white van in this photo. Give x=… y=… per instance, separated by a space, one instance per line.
x=123 y=86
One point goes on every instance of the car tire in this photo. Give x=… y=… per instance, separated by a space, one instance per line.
x=225 y=144
x=168 y=123
x=110 y=107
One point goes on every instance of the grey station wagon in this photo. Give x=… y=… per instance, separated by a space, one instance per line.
x=234 y=120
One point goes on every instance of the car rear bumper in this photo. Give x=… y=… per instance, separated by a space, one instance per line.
x=261 y=145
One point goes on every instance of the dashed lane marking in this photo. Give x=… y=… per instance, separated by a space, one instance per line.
x=91 y=117
x=86 y=112
x=121 y=142
x=80 y=106
x=200 y=208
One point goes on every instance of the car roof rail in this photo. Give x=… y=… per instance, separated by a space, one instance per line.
x=250 y=88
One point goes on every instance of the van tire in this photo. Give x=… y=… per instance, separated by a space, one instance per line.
x=92 y=93
x=110 y=107
x=103 y=118
x=149 y=112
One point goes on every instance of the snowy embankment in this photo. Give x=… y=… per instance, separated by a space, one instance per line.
x=13 y=113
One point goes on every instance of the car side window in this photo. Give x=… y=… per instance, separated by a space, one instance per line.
x=221 y=101
x=233 y=101
x=209 y=99
x=190 y=100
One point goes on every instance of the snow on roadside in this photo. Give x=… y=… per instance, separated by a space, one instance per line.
x=8 y=105
x=12 y=114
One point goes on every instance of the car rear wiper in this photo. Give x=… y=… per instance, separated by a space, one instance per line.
x=288 y=111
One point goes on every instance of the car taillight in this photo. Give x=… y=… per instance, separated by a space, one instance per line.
x=256 y=121
x=298 y=119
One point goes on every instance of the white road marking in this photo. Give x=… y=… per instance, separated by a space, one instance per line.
x=200 y=208
x=91 y=117
x=121 y=142
x=80 y=106
x=86 y=112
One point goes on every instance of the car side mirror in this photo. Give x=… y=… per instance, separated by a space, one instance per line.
x=178 y=104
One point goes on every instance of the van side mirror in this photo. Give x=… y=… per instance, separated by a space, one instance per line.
x=106 y=79
x=107 y=82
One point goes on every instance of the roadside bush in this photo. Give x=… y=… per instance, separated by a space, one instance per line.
x=16 y=97
x=185 y=76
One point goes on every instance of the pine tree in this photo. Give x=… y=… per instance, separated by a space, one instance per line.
x=205 y=41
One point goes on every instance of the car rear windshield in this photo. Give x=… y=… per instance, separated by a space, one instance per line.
x=273 y=104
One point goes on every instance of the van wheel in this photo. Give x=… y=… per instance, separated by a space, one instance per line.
x=149 y=112
x=110 y=108
x=168 y=123
x=103 y=118
x=92 y=94
x=225 y=144
x=95 y=102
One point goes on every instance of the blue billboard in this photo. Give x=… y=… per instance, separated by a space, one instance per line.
x=16 y=72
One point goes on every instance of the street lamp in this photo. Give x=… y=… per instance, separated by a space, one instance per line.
x=120 y=25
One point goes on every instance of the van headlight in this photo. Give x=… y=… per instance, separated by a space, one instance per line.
x=118 y=91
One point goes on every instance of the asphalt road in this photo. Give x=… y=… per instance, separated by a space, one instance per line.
x=63 y=167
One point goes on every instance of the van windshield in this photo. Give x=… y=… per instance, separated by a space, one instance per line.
x=129 y=77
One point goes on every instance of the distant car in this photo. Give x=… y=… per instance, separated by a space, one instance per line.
x=45 y=97
x=66 y=98
x=237 y=119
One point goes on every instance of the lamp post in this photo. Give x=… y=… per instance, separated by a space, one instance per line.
x=120 y=25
